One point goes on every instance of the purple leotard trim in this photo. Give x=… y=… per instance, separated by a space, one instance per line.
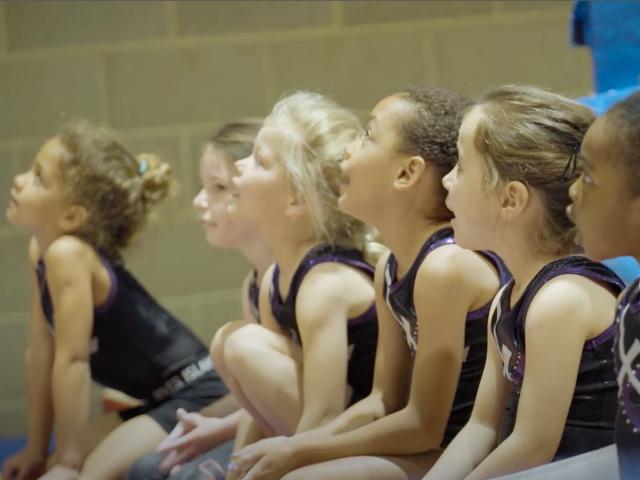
x=112 y=292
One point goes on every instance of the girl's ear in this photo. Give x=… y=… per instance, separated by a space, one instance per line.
x=296 y=205
x=514 y=198
x=73 y=218
x=409 y=173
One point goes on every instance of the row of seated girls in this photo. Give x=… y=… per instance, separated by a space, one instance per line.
x=421 y=304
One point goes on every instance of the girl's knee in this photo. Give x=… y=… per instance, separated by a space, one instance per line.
x=244 y=344
x=216 y=349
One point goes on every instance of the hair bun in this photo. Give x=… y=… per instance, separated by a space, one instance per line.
x=157 y=179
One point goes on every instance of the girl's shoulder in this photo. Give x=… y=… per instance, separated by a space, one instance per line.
x=571 y=299
x=69 y=246
x=72 y=254
x=449 y=262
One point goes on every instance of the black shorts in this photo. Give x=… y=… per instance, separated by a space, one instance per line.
x=192 y=397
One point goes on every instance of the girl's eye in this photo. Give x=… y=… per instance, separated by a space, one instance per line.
x=216 y=188
x=37 y=176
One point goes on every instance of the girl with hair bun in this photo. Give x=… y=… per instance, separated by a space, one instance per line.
x=83 y=200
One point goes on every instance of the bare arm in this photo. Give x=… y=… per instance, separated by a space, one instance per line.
x=391 y=381
x=566 y=312
x=420 y=425
x=247 y=313
x=69 y=276
x=39 y=361
x=326 y=300
x=480 y=435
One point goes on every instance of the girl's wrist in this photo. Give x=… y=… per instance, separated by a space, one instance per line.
x=70 y=458
x=299 y=451
x=36 y=451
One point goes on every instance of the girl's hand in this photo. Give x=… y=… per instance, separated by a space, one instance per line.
x=193 y=435
x=268 y=458
x=273 y=466
x=23 y=466
x=61 y=472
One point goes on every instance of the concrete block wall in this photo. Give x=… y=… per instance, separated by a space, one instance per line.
x=165 y=74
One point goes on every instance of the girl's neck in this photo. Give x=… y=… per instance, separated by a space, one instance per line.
x=289 y=243
x=257 y=253
x=406 y=236
x=524 y=264
x=288 y=256
x=44 y=240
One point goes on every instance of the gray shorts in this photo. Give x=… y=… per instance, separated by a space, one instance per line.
x=211 y=465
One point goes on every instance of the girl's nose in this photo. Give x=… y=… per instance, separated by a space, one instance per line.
x=241 y=164
x=574 y=190
x=18 y=181
x=200 y=200
x=448 y=179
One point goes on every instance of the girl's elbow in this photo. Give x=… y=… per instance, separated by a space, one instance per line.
x=539 y=448
x=428 y=438
x=68 y=360
x=428 y=433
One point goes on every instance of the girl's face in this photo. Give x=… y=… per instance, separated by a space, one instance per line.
x=603 y=206
x=212 y=202
x=263 y=188
x=475 y=208
x=369 y=168
x=37 y=197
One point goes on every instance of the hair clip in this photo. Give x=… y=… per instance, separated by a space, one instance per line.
x=143 y=166
x=569 y=173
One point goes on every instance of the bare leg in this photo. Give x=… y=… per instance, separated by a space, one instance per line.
x=247 y=433
x=265 y=375
x=216 y=350
x=123 y=446
x=99 y=427
x=406 y=467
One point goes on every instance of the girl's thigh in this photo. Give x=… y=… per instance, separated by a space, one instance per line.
x=122 y=447
x=405 y=467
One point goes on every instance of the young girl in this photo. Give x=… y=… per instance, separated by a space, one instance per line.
x=549 y=360
x=204 y=440
x=83 y=200
x=432 y=297
x=313 y=354
x=606 y=209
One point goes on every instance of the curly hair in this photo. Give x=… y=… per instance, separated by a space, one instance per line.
x=116 y=188
x=624 y=120
x=431 y=130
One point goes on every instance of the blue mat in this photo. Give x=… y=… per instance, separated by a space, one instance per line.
x=10 y=445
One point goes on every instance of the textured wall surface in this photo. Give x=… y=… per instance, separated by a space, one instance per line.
x=165 y=74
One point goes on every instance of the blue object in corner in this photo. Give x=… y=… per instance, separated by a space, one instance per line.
x=612 y=31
